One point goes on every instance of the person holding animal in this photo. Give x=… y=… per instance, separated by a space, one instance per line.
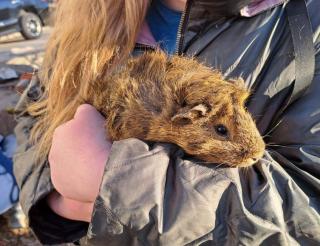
x=129 y=189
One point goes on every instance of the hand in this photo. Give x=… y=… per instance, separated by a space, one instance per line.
x=78 y=155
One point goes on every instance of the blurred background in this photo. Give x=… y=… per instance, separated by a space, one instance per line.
x=25 y=26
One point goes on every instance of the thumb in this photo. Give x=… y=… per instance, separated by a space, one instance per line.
x=88 y=113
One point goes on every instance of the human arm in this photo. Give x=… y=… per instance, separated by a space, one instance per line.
x=34 y=181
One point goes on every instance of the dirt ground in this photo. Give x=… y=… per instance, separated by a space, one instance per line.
x=22 y=56
x=15 y=237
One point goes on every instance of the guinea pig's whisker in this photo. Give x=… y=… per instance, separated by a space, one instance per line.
x=245 y=171
x=219 y=165
x=272 y=129
x=279 y=145
x=214 y=166
x=234 y=165
x=203 y=162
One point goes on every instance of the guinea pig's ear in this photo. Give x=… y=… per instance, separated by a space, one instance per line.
x=187 y=115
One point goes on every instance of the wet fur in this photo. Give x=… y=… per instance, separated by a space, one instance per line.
x=180 y=101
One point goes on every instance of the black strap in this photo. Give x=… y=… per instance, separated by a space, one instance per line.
x=302 y=37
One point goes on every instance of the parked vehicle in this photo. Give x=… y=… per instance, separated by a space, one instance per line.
x=25 y=16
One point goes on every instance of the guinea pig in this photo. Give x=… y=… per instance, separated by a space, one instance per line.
x=177 y=100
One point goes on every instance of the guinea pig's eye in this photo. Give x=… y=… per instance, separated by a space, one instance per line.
x=221 y=130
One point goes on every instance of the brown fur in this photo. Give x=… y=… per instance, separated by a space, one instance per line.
x=180 y=101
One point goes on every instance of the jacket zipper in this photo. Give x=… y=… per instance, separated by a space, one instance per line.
x=144 y=46
x=182 y=24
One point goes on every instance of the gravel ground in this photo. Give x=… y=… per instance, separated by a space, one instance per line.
x=15 y=237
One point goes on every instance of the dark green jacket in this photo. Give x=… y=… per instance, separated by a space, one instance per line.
x=154 y=195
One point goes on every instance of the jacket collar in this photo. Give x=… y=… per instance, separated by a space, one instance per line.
x=217 y=9
x=207 y=10
x=246 y=8
x=200 y=14
x=257 y=6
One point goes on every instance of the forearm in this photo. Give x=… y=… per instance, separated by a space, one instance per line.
x=69 y=209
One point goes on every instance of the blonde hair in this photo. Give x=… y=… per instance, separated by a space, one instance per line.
x=89 y=39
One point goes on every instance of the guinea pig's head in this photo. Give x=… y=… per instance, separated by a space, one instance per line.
x=213 y=124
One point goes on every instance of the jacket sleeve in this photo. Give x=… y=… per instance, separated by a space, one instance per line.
x=153 y=195
x=34 y=181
